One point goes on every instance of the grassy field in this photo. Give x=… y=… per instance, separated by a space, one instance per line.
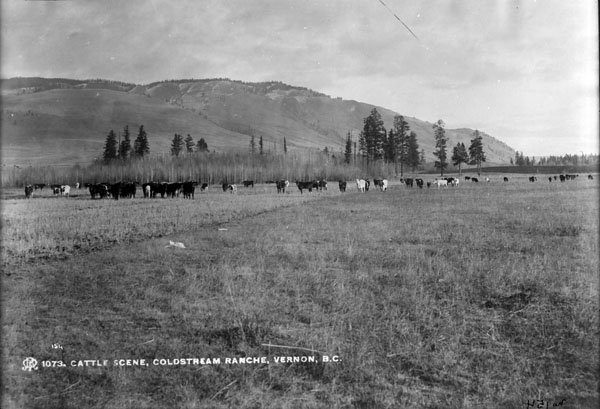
x=485 y=295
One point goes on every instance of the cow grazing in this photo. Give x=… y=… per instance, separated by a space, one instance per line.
x=342 y=185
x=590 y=177
x=428 y=185
x=322 y=185
x=408 y=182
x=550 y=179
x=562 y=178
x=384 y=185
x=378 y=183
x=505 y=179
x=532 y=178
x=419 y=183
x=38 y=186
x=248 y=183
x=360 y=185
x=555 y=177
x=281 y=185
x=65 y=190
x=204 y=187
x=188 y=189
x=474 y=180
x=55 y=189
x=28 y=191
x=467 y=177
x=229 y=188
x=305 y=185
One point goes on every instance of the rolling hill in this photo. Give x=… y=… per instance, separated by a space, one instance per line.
x=64 y=122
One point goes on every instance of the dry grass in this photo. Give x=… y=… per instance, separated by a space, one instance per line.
x=486 y=294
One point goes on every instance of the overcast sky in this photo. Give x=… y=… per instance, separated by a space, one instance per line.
x=524 y=71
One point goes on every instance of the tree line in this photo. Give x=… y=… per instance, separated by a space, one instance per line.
x=399 y=145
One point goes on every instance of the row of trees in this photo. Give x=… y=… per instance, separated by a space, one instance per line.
x=475 y=155
x=564 y=160
x=261 y=147
x=178 y=144
x=122 y=149
x=398 y=145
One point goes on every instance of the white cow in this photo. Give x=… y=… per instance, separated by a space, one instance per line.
x=233 y=189
x=65 y=190
x=360 y=185
x=384 y=185
x=455 y=182
x=441 y=182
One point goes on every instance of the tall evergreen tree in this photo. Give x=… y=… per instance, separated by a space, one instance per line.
x=176 y=145
x=189 y=143
x=260 y=146
x=476 y=151
x=372 y=137
x=440 y=145
x=201 y=146
x=348 y=150
x=140 y=145
x=125 y=145
x=390 y=149
x=413 y=158
x=110 y=147
x=460 y=156
x=401 y=133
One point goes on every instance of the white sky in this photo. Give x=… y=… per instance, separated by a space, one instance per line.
x=524 y=71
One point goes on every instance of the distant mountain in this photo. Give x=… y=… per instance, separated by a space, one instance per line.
x=65 y=121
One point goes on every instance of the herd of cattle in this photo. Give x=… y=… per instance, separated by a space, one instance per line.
x=187 y=189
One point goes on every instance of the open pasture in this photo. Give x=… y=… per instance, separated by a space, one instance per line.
x=485 y=294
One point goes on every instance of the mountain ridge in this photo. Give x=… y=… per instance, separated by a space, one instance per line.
x=65 y=121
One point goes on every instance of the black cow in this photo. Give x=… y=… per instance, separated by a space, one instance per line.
x=590 y=177
x=55 y=189
x=550 y=179
x=378 y=183
x=305 y=185
x=505 y=179
x=97 y=190
x=532 y=178
x=367 y=185
x=173 y=189
x=555 y=177
x=39 y=186
x=115 y=190
x=419 y=183
x=281 y=185
x=467 y=177
x=128 y=190
x=428 y=185
x=342 y=185
x=474 y=180
x=158 y=188
x=322 y=185
x=562 y=178
x=188 y=189
x=28 y=191
x=408 y=182
x=204 y=187
x=248 y=183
